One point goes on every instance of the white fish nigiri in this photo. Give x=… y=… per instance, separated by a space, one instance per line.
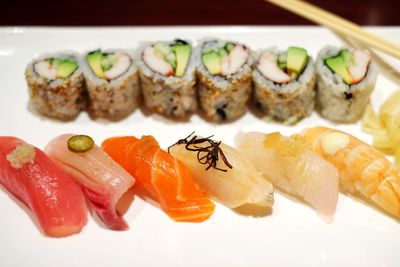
x=223 y=173
x=293 y=168
x=102 y=179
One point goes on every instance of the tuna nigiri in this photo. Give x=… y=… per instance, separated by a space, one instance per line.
x=101 y=178
x=294 y=168
x=229 y=177
x=364 y=171
x=165 y=178
x=52 y=195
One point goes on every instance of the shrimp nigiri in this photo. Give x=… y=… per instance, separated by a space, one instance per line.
x=165 y=178
x=229 y=177
x=294 y=168
x=101 y=178
x=364 y=171
x=53 y=196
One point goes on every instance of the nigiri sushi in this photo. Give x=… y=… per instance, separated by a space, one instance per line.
x=53 y=196
x=364 y=171
x=294 y=168
x=101 y=178
x=164 y=178
x=230 y=178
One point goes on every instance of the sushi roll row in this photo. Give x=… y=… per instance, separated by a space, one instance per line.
x=106 y=82
x=174 y=79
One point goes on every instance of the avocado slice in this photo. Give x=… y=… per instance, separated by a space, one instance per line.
x=95 y=59
x=229 y=46
x=282 y=62
x=212 y=62
x=347 y=57
x=222 y=52
x=297 y=59
x=55 y=61
x=182 y=54
x=66 y=67
x=338 y=66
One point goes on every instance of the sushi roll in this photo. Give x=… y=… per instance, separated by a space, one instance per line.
x=224 y=79
x=112 y=83
x=56 y=85
x=345 y=80
x=168 y=78
x=284 y=84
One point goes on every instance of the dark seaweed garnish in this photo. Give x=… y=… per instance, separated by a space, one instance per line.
x=348 y=95
x=180 y=41
x=208 y=155
x=221 y=112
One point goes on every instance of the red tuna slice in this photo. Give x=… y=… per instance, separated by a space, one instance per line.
x=54 y=197
x=102 y=179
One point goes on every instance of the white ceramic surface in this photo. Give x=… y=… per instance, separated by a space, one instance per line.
x=293 y=235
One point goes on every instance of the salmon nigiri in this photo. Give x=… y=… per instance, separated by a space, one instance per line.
x=294 y=168
x=223 y=172
x=165 y=178
x=364 y=171
x=52 y=195
x=101 y=178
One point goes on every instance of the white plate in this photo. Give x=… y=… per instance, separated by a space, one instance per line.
x=293 y=235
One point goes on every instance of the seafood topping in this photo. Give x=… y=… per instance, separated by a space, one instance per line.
x=55 y=68
x=102 y=180
x=51 y=195
x=225 y=61
x=168 y=59
x=284 y=67
x=268 y=66
x=166 y=179
x=236 y=184
x=208 y=154
x=351 y=66
x=108 y=66
x=294 y=168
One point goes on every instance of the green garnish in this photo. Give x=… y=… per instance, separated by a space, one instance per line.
x=80 y=143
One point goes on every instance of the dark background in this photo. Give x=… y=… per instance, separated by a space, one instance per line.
x=185 y=12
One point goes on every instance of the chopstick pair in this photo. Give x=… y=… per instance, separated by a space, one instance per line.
x=338 y=24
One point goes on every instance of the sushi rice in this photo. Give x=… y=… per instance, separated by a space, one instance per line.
x=287 y=102
x=337 y=100
x=116 y=98
x=223 y=98
x=168 y=95
x=59 y=98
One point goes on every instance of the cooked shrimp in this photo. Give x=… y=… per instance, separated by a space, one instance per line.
x=363 y=170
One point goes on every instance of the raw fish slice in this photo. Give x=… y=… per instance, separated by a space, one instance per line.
x=53 y=196
x=242 y=184
x=164 y=177
x=364 y=171
x=293 y=168
x=102 y=179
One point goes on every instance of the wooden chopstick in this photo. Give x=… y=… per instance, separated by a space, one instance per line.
x=338 y=24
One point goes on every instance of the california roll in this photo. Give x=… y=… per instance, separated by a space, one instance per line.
x=56 y=85
x=284 y=84
x=224 y=79
x=346 y=79
x=167 y=76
